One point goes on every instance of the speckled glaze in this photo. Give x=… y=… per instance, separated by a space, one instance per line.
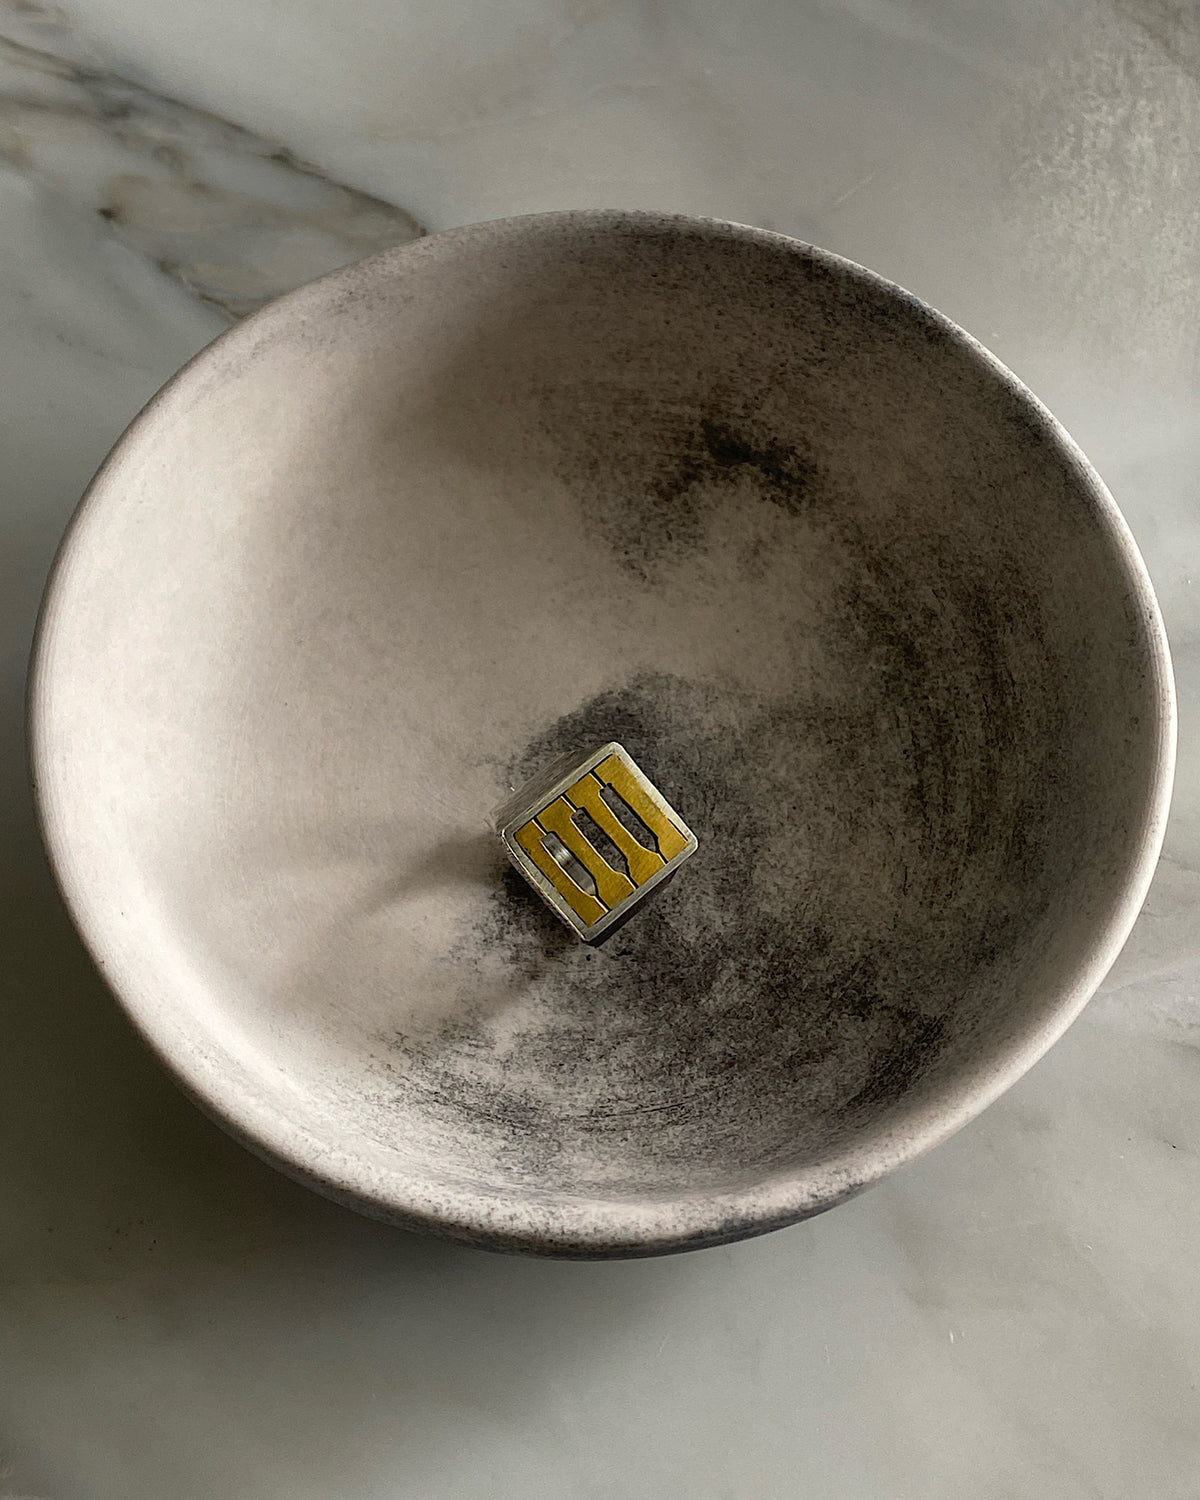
x=844 y=590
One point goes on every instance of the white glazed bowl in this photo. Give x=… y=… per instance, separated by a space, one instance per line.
x=843 y=588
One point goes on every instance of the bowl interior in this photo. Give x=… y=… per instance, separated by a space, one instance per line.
x=388 y=548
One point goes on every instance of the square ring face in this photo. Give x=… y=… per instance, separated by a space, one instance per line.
x=594 y=837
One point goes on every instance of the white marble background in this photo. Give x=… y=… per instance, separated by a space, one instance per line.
x=1015 y=1318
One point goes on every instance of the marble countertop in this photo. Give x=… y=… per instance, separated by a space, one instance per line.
x=1018 y=1315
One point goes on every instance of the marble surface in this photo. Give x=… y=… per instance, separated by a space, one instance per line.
x=1018 y=1314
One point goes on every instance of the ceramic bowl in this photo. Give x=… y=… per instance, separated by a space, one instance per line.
x=845 y=591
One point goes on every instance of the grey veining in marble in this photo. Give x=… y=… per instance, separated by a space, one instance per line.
x=1016 y=1316
x=236 y=218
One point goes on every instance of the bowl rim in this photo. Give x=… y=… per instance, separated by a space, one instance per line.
x=617 y=1227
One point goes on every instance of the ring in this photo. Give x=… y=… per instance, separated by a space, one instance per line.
x=594 y=837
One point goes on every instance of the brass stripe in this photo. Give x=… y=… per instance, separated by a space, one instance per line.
x=582 y=903
x=611 y=886
x=643 y=862
x=640 y=795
